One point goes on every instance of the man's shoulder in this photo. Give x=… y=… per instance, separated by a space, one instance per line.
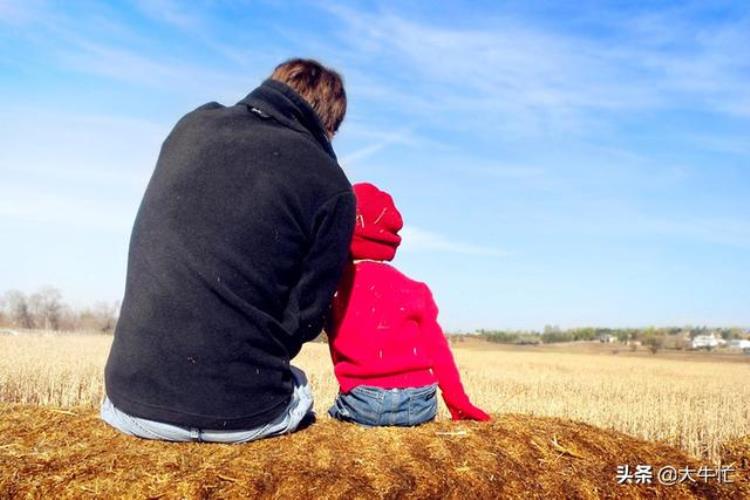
x=199 y=117
x=203 y=110
x=209 y=105
x=273 y=149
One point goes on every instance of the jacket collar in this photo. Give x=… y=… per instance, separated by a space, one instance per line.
x=289 y=108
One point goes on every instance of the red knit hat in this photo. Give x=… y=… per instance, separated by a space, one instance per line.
x=377 y=226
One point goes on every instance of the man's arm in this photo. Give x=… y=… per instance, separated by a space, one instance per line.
x=310 y=300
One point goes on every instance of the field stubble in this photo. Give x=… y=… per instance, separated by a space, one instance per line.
x=694 y=405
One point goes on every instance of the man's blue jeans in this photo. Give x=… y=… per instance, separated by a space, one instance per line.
x=375 y=406
x=300 y=409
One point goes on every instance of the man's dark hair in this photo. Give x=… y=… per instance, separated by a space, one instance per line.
x=321 y=87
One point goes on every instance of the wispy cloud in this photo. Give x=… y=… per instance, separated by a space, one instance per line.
x=14 y=12
x=551 y=81
x=724 y=143
x=169 y=12
x=128 y=66
x=382 y=139
x=22 y=204
x=417 y=240
x=362 y=153
x=105 y=46
x=79 y=149
x=612 y=221
x=195 y=20
x=727 y=231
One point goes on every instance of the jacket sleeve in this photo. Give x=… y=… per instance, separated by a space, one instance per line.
x=444 y=366
x=310 y=300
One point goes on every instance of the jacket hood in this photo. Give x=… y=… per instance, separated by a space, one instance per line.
x=377 y=225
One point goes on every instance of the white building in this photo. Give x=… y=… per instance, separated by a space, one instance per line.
x=739 y=344
x=704 y=342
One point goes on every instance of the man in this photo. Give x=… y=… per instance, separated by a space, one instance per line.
x=236 y=251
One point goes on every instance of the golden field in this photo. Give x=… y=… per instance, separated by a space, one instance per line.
x=695 y=404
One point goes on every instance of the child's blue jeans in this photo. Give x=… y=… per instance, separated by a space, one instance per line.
x=375 y=406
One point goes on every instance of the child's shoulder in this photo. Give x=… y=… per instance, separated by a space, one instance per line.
x=386 y=270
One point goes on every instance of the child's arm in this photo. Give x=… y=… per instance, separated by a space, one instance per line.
x=444 y=366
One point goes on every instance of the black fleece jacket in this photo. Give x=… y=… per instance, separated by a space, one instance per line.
x=236 y=251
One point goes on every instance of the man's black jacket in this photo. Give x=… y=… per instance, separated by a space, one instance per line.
x=236 y=251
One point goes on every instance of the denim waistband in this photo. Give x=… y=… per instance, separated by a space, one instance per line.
x=374 y=391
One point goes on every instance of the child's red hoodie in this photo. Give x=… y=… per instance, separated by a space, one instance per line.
x=383 y=330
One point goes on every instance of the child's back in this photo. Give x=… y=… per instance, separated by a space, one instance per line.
x=379 y=338
x=388 y=349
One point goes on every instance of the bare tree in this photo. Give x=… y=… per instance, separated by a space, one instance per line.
x=106 y=315
x=46 y=306
x=18 y=309
x=3 y=312
x=102 y=317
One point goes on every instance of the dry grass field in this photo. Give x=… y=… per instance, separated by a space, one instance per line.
x=696 y=405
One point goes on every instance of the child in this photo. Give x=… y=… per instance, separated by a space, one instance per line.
x=387 y=348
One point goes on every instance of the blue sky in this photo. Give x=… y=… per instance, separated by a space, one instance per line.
x=571 y=163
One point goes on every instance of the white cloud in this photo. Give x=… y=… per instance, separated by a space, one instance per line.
x=382 y=140
x=715 y=230
x=519 y=79
x=77 y=171
x=417 y=240
x=29 y=205
x=80 y=150
x=609 y=220
x=170 y=12
x=19 y=12
x=101 y=43
x=136 y=68
x=362 y=153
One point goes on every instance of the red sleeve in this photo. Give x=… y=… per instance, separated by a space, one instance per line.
x=444 y=366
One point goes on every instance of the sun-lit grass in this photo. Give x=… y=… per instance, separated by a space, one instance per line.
x=694 y=404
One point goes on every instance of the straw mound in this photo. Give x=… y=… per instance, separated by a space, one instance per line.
x=57 y=453
x=736 y=453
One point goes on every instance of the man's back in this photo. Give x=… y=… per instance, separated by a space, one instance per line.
x=233 y=258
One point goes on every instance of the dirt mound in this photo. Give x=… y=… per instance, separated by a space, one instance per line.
x=58 y=453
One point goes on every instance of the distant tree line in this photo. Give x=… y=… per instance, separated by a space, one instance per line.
x=45 y=309
x=647 y=336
